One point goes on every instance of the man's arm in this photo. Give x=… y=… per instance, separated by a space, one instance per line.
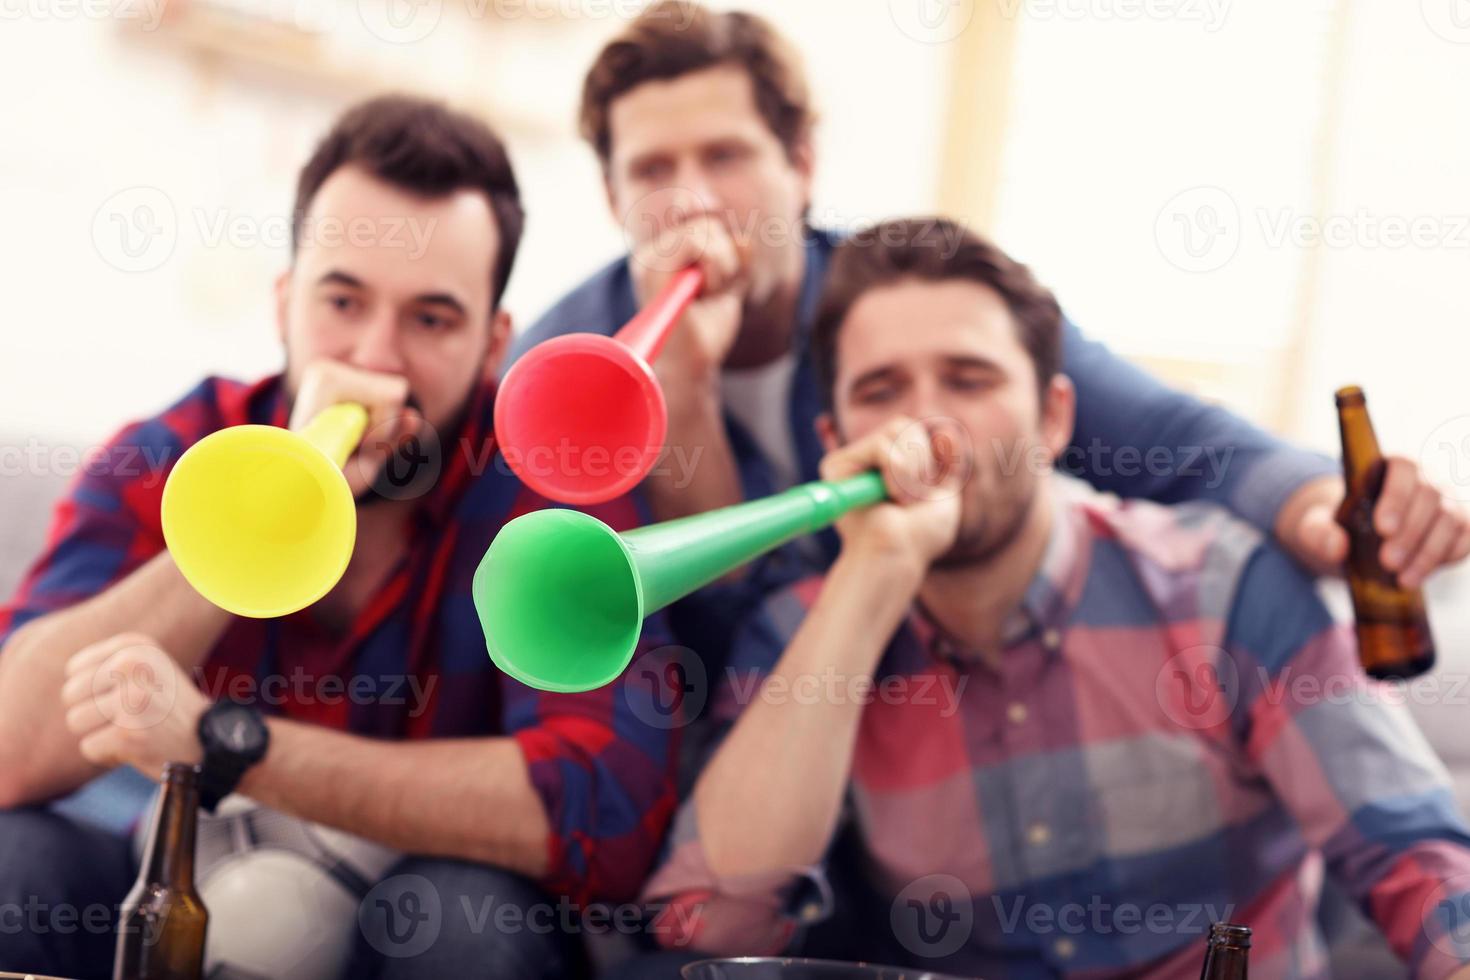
x=470 y=799
x=1201 y=451
x=766 y=807
x=759 y=815
x=698 y=472
x=578 y=793
x=39 y=758
x=1345 y=757
x=1139 y=438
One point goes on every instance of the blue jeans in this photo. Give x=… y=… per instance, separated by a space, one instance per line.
x=431 y=918
x=61 y=883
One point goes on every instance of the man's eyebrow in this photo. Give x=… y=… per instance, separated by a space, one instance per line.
x=646 y=157
x=442 y=299
x=340 y=278
x=973 y=360
x=873 y=375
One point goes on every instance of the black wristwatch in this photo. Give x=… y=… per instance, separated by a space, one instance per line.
x=234 y=737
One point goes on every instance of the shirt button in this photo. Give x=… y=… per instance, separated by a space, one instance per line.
x=1039 y=834
x=1064 y=948
x=1052 y=640
x=1017 y=713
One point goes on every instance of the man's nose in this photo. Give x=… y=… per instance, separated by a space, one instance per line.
x=697 y=191
x=925 y=401
x=378 y=346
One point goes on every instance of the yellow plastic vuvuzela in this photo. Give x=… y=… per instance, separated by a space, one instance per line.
x=259 y=519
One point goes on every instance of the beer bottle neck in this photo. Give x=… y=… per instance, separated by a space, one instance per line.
x=1360 y=452
x=169 y=858
x=1225 y=963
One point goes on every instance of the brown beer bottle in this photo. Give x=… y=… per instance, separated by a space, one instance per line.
x=1393 y=628
x=161 y=932
x=1225 y=958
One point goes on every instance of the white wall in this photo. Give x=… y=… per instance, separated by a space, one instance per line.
x=1127 y=135
x=91 y=111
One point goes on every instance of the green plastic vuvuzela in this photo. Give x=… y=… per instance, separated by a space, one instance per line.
x=562 y=596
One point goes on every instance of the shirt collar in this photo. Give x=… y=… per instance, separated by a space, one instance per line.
x=462 y=454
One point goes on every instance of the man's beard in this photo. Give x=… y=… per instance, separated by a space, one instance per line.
x=998 y=519
x=413 y=468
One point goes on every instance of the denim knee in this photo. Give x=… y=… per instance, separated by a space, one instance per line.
x=430 y=917
x=60 y=887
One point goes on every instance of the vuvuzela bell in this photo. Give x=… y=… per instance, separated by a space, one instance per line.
x=562 y=596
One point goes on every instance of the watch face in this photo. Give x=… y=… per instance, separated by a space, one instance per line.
x=235 y=729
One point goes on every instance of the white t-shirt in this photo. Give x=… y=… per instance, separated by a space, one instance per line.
x=760 y=398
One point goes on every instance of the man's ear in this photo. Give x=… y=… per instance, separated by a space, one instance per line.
x=1058 y=414
x=502 y=327
x=804 y=161
x=611 y=195
x=827 y=431
x=283 y=303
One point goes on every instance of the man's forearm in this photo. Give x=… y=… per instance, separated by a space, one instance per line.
x=470 y=799
x=38 y=756
x=698 y=472
x=771 y=796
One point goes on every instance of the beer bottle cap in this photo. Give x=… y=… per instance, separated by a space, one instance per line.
x=180 y=772
x=1230 y=934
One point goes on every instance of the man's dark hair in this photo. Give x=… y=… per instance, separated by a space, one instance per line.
x=673 y=38
x=934 y=250
x=425 y=148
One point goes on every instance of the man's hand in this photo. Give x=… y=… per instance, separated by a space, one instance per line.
x=924 y=470
x=1422 y=529
x=699 y=344
x=130 y=703
x=391 y=422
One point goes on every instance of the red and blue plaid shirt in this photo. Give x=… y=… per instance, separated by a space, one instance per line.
x=1176 y=732
x=413 y=664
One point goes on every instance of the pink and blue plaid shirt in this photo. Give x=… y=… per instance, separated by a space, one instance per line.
x=1176 y=732
x=413 y=663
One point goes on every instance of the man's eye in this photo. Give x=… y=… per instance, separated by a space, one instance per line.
x=971 y=383
x=726 y=154
x=654 y=170
x=876 y=395
x=430 y=321
x=342 y=304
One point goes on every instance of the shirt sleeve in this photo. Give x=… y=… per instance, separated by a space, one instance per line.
x=604 y=763
x=1344 y=755
x=693 y=908
x=105 y=527
x=1138 y=438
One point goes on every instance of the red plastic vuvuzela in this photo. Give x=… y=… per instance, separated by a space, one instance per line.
x=581 y=418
